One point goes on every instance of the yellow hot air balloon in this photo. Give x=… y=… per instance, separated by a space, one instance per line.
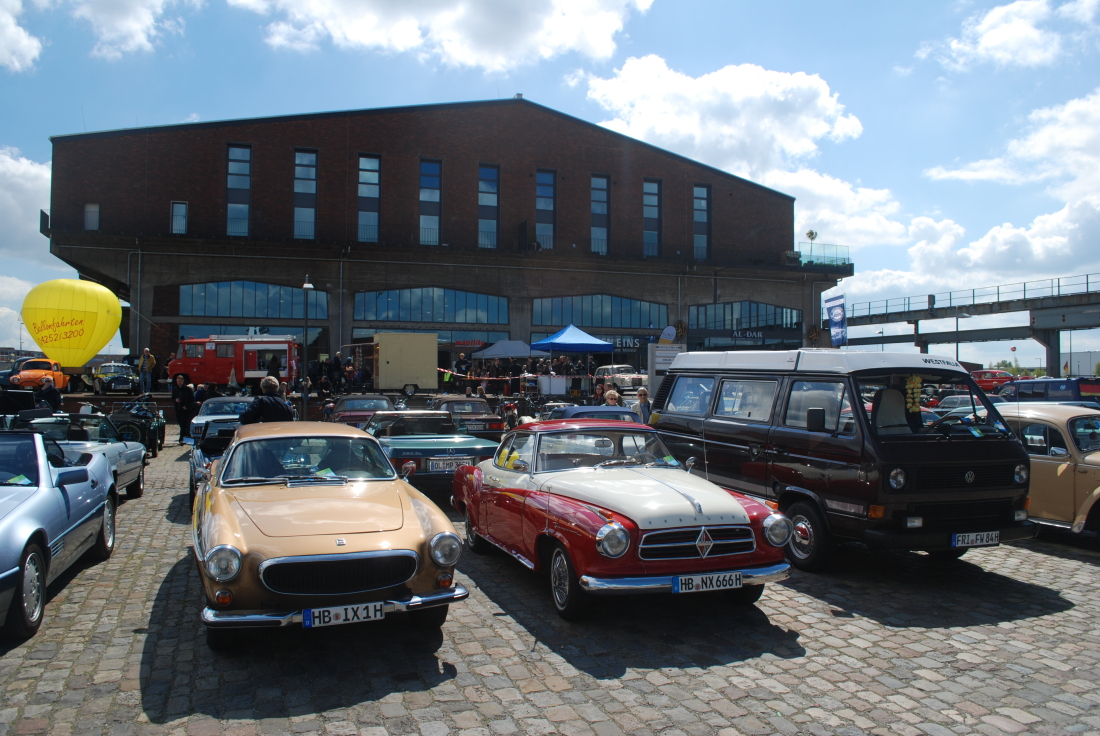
x=71 y=320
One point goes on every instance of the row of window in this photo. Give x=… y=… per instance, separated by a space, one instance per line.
x=598 y=310
x=250 y=299
x=743 y=315
x=754 y=401
x=430 y=304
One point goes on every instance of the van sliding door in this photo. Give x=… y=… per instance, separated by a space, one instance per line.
x=736 y=433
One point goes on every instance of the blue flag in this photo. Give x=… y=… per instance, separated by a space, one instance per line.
x=838 y=320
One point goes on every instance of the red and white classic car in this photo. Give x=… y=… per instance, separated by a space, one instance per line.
x=605 y=508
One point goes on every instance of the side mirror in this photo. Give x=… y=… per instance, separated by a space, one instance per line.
x=520 y=466
x=689 y=464
x=815 y=420
x=408 y=469
x=72 y=477
x=1059 y=452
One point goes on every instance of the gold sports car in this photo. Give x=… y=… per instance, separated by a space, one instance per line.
x=307 y=523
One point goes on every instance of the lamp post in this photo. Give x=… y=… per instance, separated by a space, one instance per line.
x=881 y=345
x=307 y=288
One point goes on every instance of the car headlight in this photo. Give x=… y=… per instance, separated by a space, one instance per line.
x=223 y=563
x=897 y=479
x=778 y=530
x=446 y=548
x=1020 y=476
x=612 y=540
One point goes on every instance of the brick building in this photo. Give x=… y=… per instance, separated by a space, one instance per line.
x=479 y=221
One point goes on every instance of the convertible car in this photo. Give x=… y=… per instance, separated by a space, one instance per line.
x=605 y=509
x=115 y=377
x=429 y=440
x=96 y=434
x=39 y=536
x=307 y=523
x=220 y=409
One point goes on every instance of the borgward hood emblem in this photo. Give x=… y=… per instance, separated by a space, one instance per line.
x=704 y=542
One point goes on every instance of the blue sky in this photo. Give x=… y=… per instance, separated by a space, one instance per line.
x=951 y=145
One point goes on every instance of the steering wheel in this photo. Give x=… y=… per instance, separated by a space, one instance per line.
x=936 y=424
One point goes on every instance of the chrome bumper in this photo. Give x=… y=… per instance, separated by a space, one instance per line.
x=249 y=619
x=663 y=583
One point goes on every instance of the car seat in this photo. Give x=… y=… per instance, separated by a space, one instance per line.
x=888 y=412
x=77 y=433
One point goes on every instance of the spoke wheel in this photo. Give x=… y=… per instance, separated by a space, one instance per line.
x=105 y=542
x=570 y=600
x=25 y=611
x=810 y=545
x=474 y=540
x=137 y=488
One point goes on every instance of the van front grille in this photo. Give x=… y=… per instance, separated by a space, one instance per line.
x=933 y=478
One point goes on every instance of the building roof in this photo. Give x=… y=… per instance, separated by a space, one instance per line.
x=402 y=108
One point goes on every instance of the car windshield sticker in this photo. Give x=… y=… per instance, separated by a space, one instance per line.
x=670 y=460
x=326 y=471
x=20 y=480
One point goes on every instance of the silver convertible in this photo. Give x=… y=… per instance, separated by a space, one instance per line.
x=96 y=434
x=54 y=507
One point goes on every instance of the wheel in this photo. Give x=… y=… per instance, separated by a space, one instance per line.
x=946 y=555
x=220 y=640
x=105 y=541
x=810 y=545
x=29 y=598
x=131 y=431
x=137 y=488
x=745 y=595
x=429 y=618
x=153 y=449
x=570 y=601
x=410 y=389
x=474 y=540
x=161 y=433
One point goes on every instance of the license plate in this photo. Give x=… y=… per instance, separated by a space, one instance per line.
x=314 y=617
x=702 y=583
x=475 y=427
x=976 y=539
x=451 y=463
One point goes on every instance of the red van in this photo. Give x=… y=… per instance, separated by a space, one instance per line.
x=243 y=360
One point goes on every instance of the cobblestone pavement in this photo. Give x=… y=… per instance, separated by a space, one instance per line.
x=1005 y=641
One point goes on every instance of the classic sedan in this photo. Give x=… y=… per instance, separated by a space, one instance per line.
x=307 y=523
x=356 y=410
x=471 y=416
x=1064 y=444
x=429 y=440
x=40 y=537
x=605 y=509
x=991 y=381
x=96 y=434
x=220 y=409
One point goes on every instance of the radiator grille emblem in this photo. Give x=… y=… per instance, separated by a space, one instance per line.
x=704 y=542
x=969 y=477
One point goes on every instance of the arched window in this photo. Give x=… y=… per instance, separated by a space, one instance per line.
x=598 y=310
x=431 y=304
x=744 y=315
x=250 y=299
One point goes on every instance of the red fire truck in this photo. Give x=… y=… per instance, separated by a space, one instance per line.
x=225 y=359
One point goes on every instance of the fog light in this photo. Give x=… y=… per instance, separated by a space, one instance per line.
x=876 y=512
x=223 y=597
x=1020 y=515
x=913 y=522
x=444 y=580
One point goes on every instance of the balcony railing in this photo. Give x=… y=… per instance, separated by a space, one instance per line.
x=237 y=227
x=429 y=236
x=599 y=246
x=179 y=224
x=545 y=242
x=486 y=239
x=700 y=252
x=368 y=233
x=830 y=255
x=304 y=230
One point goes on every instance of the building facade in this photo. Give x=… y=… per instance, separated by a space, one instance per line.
x=477 y=221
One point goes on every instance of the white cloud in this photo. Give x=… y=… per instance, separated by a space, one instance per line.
x=495 y=35
x=18 y=48
x=24 y=190
x=1007 y=35
x=127 y=26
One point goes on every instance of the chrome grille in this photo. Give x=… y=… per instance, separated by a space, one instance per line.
x=338 y=574
x=683 y=544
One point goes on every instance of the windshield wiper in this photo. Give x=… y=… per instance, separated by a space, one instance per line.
x=252 y=479
x=619 y=461
x=314 y=477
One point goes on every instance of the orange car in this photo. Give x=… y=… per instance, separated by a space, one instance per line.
x=33 y=371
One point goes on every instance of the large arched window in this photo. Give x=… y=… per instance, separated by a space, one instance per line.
x=743 y=316
x=598 y=310
x=250 y=299
x=431 y=304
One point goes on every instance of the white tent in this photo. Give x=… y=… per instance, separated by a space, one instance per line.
x=509 y=349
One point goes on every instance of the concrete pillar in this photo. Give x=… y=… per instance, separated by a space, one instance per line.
x=1052 y=341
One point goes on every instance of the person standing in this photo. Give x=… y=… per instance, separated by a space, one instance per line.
x=644 y=406
x=269 y=407
x=146 y=364
x=184 y=399
x=462 y=368
x=49 y=394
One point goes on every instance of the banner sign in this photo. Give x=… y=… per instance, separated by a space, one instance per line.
x=838 y=320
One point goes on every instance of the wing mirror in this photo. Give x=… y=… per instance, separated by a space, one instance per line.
x=1059 y=452
x=520 y=466
x=408 y=469
x=815 y=420
x=72 y=477
x=689 y=464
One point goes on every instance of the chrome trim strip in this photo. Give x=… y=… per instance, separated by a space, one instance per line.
x=663 y=583
x=262 y=619
x=338 y=558
x=751 y=537
x=9 y=572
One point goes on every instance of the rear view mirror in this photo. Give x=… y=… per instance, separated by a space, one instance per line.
x=519 y=466
x=1059 y=452
x=72 y=477
x=815 y=420
x=408 y=469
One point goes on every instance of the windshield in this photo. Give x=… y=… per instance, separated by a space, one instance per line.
x=1086 y=433
x=223 y=407
x=891 y=403
x=605 y=447
x=406 y=426
x=467 y=407
x=306 y=457
x=364 y=405
x=36 y=365
x=18 y=461
x=111 y=370
x=76 y=428
x=619 y=416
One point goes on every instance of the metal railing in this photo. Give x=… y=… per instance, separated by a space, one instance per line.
x=179 y=224
x=236 y=226
x=1064 y=286
x=368 y=233
x=304 y=229
x=599 y=246
x=429 y=236
x=486 y=239
x=545 y=242
x=832 y=255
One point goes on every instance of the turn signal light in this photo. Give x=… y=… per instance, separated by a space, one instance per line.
x=773 y=505
x=444 y=580
x=223 y=597
x=876 y=512
x=1027 y=503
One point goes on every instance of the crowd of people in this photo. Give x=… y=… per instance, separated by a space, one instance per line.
x=492 y=376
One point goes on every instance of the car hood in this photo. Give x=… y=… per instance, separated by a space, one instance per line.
x=654 y=498
x=440 y=443
x=10 y=498
x=357 y=508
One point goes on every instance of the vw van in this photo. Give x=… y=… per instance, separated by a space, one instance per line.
x=836 y=440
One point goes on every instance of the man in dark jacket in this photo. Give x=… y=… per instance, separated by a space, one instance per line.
x=184 y=398
x=49 y=394
x=269 y=407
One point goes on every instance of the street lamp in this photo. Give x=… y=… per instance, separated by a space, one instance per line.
x=963 y=315
x=881 y=345
x=307 y=287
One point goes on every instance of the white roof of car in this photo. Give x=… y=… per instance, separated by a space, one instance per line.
x=812 y=359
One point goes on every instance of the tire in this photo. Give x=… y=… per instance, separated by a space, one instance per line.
x=474 y=541
x=132 y=428
x=745 y=595
x=946 y=555
x=429 y=619
x=154 y=448
x=29 y=599
x=220 y=640
x=105 y=541
x=570 y=600
x=810 y=545
x=137 y=488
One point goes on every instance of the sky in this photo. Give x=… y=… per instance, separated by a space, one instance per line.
x=949 y=145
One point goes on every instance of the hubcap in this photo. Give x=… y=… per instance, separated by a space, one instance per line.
x=109 y=524
x=559 y=579
x=32 y=587
x=802 y=541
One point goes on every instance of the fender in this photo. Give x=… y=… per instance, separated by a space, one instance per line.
x=799 y=491
x=1086 y=508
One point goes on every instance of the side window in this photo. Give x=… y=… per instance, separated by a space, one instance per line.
x=54 y=454
x=226 y=350
x=195 y=350
x=523 y=448
x=1036 y=439
x=107 y=431
x=827 y=395
x=1059 y=391
x=749 y=400
x=690 y=395
x=1056 y=439
x=1009 y=392
x=1033 y=390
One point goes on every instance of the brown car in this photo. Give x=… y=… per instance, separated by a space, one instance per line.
x=1064 y=443
x=357 y=410
x=307 y=523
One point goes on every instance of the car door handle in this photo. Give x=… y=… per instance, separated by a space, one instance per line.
x=494 y=479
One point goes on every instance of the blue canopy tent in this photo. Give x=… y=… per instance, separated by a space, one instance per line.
x=573 y=340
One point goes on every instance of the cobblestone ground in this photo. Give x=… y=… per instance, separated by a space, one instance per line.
x=1005 y=641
